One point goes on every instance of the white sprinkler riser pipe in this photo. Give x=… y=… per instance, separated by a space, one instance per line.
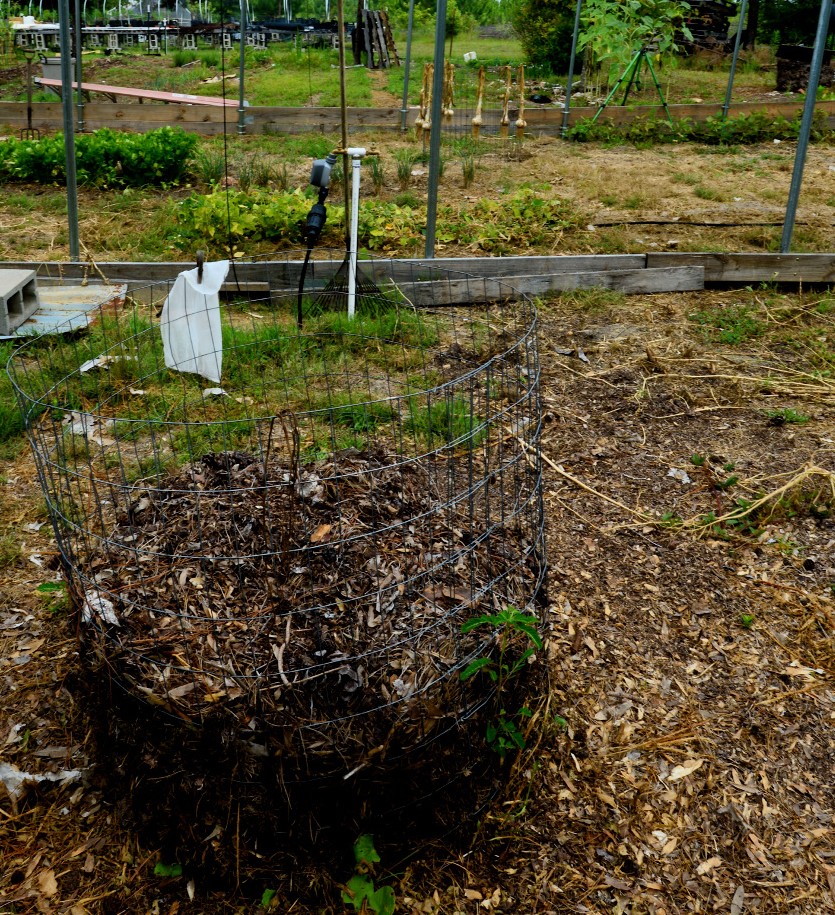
x=356 y=154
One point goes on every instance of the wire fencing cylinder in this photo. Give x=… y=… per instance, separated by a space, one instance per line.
x=295 y=550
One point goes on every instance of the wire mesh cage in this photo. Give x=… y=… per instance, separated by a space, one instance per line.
x=293 y=551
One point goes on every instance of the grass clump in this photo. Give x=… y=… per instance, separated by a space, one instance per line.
x=731 y=325
x=449 y=420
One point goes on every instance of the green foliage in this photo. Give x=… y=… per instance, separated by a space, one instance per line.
x=789 y=21
x=757 y=127
x=405 y=159
x=449 y=420
x=104 y=158
x=507 y=223
x=747 y=620
x=179 y=58
x=731 y=325
x=503 y=733
x=468 y=164
x=613 y=30
x=233 y=216
x=209 y=167
x=360 y=891
x=10 y=550
x=787 y=415
x=168 y=870
x=545 y=29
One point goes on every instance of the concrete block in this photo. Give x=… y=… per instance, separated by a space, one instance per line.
x=18 y=298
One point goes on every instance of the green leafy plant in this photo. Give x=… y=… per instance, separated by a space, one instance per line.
x=405 y=160
x=468 y=169
x=360 y=891
x=747 y=620
x=757 y=127
x=377 y=172
x=613 y=30
x=104 y=158
x=512 y=626
x=447 y=420
x=168 y=870
x=731 y=325
x=54 y=595
x=787 y=415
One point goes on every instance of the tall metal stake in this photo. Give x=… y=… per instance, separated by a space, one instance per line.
x=79 y=99
x=69 y=132
x=404 y=110
x=737 y=43
x=806 y=125
x=571 y=60
x=435 y=130
x=343 y=110
x=241 y=108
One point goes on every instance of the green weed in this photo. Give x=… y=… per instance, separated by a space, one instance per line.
x=512 y=626
x=360 y=891
x=448 y=420
x=787 y=416
x=405 y=159
x=10 y=550
x=730 y=325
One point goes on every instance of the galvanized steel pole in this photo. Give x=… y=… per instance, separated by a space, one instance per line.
x=435 y=129
x=241 y=107
x=734 y=59
x=404 y=110
x=573 y=57
x=79 y=99
x=69 y=132
x=806 y=125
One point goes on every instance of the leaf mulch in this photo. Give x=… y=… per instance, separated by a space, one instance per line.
x=682 y=760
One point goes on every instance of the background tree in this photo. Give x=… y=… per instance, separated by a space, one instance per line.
x=788 y=21
x=545 y=28
x=613 y=30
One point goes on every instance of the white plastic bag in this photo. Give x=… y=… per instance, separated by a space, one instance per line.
x=190 y=323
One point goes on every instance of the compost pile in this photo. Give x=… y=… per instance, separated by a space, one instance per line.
x=324 y=602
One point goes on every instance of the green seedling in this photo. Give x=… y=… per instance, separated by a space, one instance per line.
x=54 y=594
x=168 y=870
x=747 y=620
x=787 y=416
x=503 y=733
x=697 y=460
x=360 y=891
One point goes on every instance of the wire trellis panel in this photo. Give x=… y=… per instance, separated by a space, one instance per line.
x=299 y=546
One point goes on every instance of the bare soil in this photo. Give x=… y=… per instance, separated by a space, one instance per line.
x=681 y=760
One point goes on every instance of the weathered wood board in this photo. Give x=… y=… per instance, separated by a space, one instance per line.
x=754 y=268
x=482 y=289
x=209 y=121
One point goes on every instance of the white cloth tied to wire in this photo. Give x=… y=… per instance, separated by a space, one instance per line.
x=191 y=336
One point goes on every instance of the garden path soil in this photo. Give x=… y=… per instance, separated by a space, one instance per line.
x=682 y=760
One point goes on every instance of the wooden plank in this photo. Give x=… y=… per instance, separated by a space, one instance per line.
x=385 y=61
x=753 y=268
x=740 y=268
x=209 y=121
x=453 y=292
x=392 y=48
x=286 y=273
x=178 y=98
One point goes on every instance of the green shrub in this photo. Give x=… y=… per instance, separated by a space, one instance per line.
x=104 y=158
x=757 y=127
x=180 y=58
